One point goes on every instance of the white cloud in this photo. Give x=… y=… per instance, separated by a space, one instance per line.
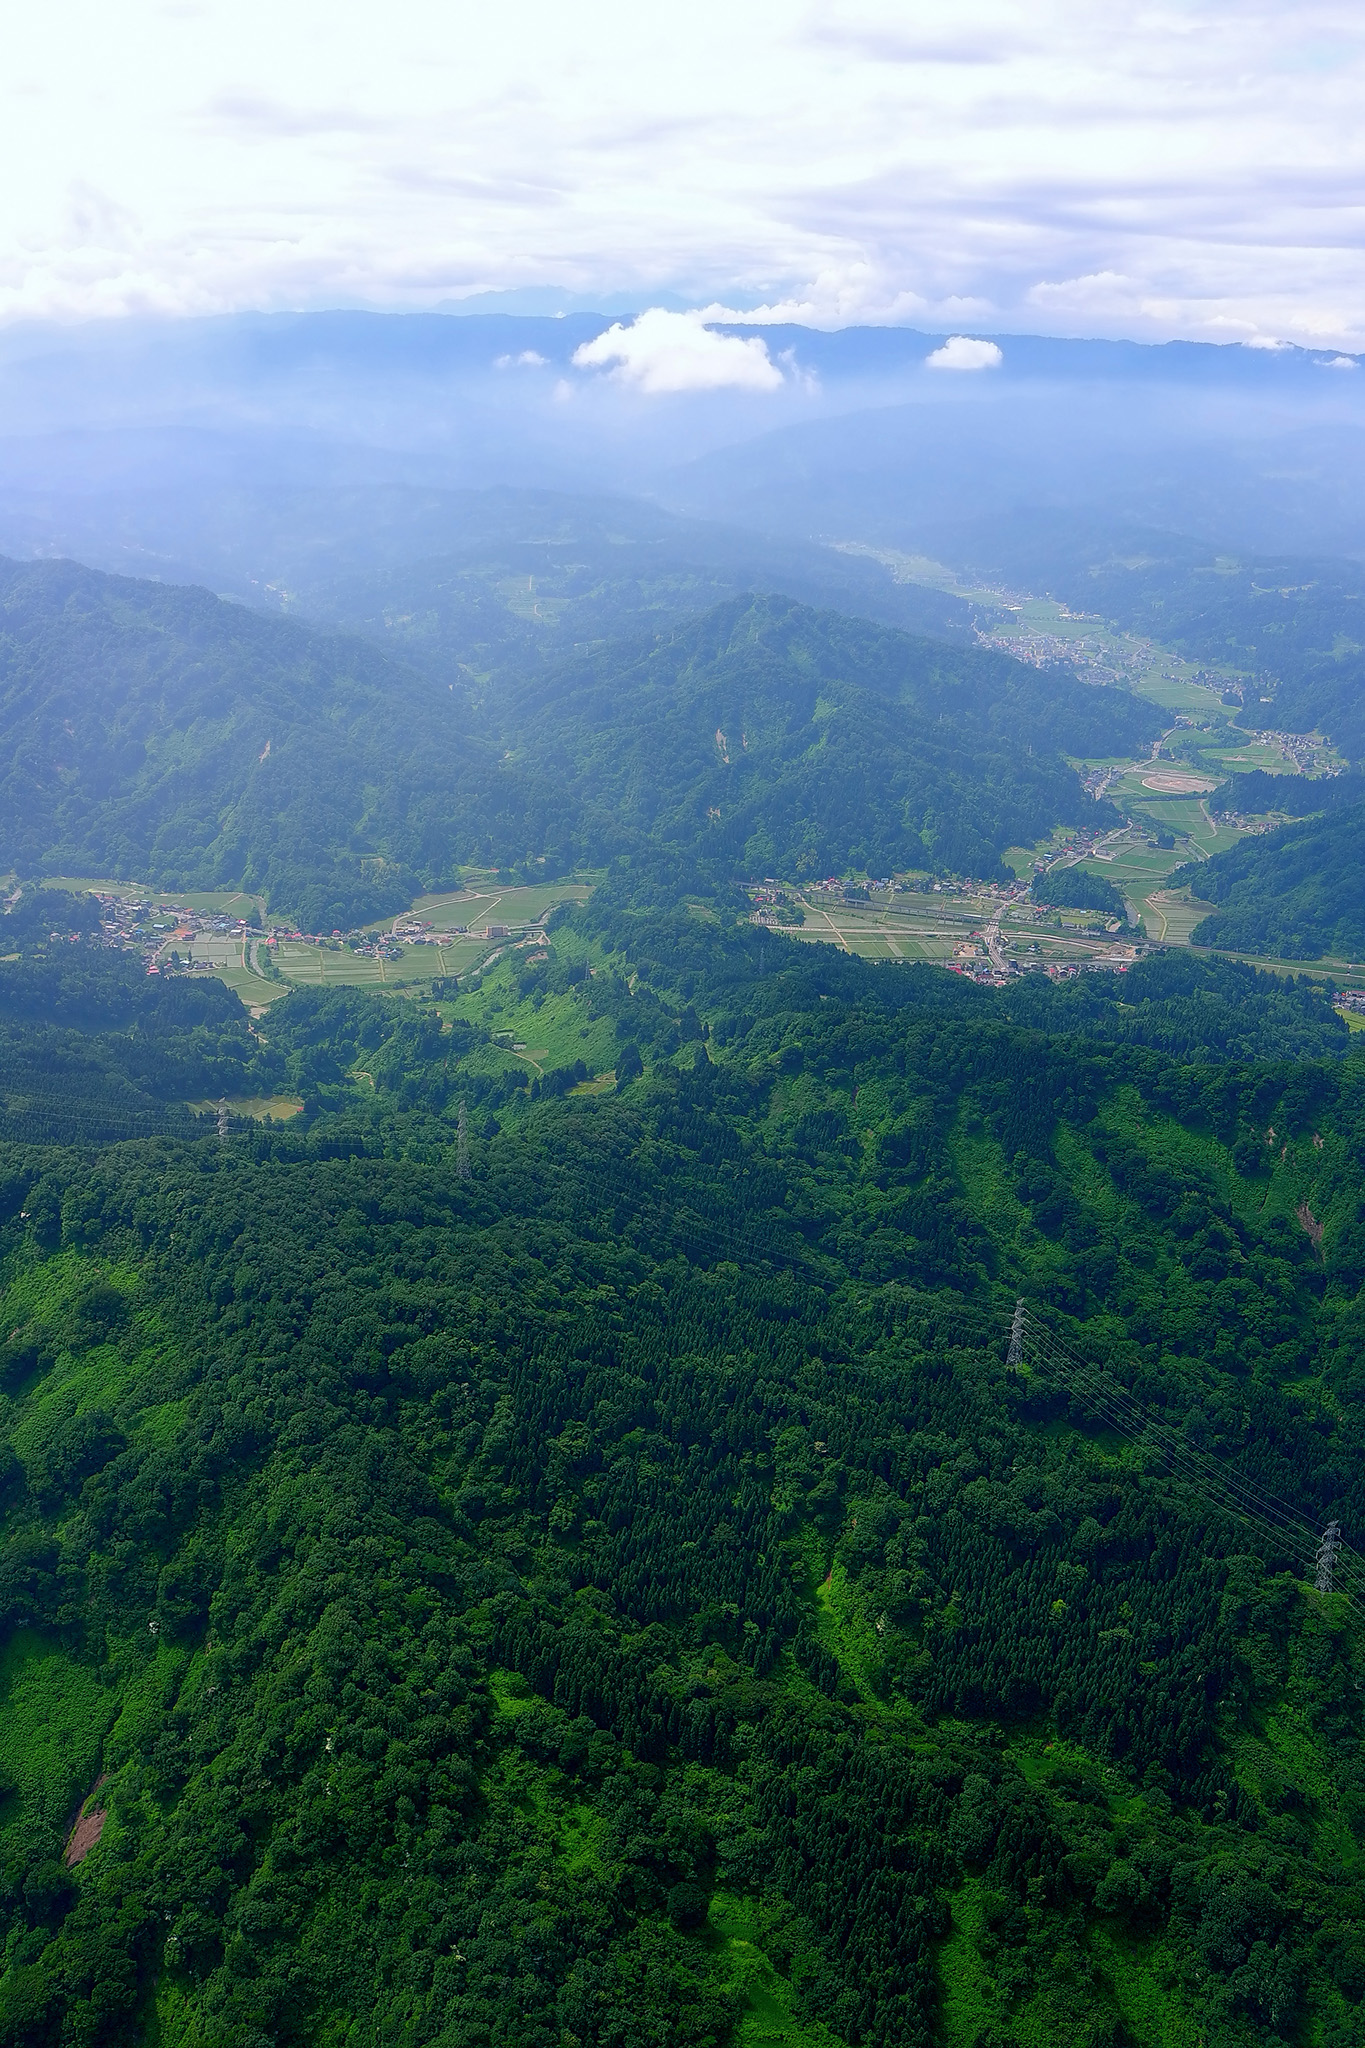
x=529 y=359
x=1266 y=341
x=1341 y=363
x=962 y=352
x=664 y=352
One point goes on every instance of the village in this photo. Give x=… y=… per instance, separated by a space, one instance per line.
x=181 y=937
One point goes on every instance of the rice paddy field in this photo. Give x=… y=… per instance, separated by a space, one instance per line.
x=443 y=953
x=243 y=961
x=511 y=906
x=320 y=966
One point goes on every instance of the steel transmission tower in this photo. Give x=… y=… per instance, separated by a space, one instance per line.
x=1015 y=1355
x=1325 y=1563
x=462 y=1143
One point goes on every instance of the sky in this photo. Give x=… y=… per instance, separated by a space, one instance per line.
x=969 y=167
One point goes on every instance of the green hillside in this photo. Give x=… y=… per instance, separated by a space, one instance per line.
x=615 y=1591
x=1297 y=893
x=1076 y=888
x=155 y=731
x=784 y=739
x=1295 y=796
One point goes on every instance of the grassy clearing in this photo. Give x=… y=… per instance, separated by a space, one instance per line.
x=768 y=2019
x=53 y=1722
x=1119 y=1977
x=553 y=1032
x=844 y=1627
x=75 y=1381
x=256 y=1106
x=511 y=1694
x=965 y=1986
x=1293 y=1167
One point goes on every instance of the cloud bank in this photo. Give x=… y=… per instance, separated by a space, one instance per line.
x=1173 y=170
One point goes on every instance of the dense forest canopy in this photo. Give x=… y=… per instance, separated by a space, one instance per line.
x=1298 y=893
x=614 y=1588
x=1255 y=792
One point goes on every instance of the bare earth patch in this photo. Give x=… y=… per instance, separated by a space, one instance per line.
x=84 y=1835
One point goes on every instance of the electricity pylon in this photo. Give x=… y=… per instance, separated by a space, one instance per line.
x=1325 y=1563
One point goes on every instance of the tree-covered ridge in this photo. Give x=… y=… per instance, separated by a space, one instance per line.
x=158 y=732
x=776 y=737
x=627 y=1583
x=1298 y=893
x=161 y=733
x=1295 y=796
x=92 y=1047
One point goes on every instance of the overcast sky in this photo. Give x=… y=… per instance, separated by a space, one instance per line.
x=1063 y=166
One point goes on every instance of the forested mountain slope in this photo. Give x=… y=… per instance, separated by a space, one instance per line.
x=154 y=732
x=624 y=1593
x=1294 y=796
x=1298 y=893
x=782 y=737
x=160 y=734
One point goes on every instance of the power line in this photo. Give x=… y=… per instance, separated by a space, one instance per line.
x=1335 y=1566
